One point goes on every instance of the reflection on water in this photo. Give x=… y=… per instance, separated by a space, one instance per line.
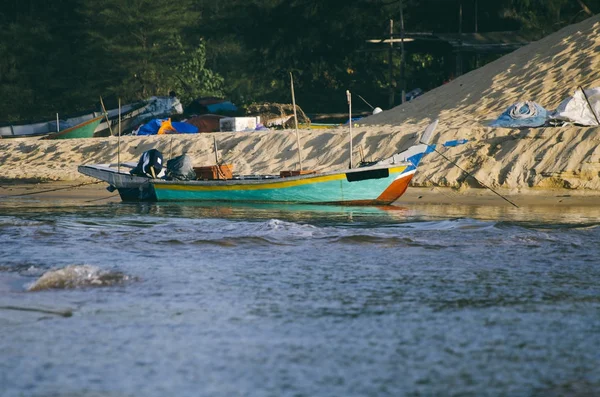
x=536 y=214
x=532 y=213
x=300 y=300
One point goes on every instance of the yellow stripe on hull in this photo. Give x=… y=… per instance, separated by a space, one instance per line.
x=273 y=184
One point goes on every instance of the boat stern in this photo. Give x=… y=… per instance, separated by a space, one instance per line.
x=130 y=187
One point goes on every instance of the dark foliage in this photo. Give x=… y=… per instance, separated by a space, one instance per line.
x=62 y=56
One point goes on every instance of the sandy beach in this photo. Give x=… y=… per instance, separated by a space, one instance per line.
x=557 y=166
x=92 y=193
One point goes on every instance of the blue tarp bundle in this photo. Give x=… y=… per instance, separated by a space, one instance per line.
x=225 y=106
x=152 y=127
x=522 y=114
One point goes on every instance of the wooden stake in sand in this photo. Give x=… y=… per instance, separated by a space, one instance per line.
x=391 y=63
x=106 y=115
x=362 y=153
x=57 y=123
x=216 y=150
x=349 y=97
x=119 y=141
x=296 y=121
x=220 y=174
x=402 y=55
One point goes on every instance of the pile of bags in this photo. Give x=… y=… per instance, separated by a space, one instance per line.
x=583 y=108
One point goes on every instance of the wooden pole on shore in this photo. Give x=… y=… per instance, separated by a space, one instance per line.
x=349 y=97
x=296 y=121
x=217 y=165
x=216 y=149
x=57 y=123
x=402 y=54
x=106 y=115
x=391 y=65
x=119 y=141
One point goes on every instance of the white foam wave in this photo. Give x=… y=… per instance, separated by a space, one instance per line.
x=74 y=276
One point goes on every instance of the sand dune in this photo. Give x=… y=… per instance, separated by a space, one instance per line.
x=546 y=71
x=249 y=152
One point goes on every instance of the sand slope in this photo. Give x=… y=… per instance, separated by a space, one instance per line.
x=546 y=71
x=249 y=152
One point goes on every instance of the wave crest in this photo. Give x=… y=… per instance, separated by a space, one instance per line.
x=75 y=276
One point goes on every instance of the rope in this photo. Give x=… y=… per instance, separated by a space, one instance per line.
x=102 y=198
x=52 y=190
x=62 y=313
x=523 y=110
x=471 y=175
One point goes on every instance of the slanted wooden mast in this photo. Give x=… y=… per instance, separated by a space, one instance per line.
x=349 y=98
x=119 y=141
x=296 y=122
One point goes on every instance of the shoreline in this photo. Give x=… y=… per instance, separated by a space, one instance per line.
x=547 y=165
x=89 y=192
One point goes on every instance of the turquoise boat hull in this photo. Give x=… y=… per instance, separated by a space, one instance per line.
x=352 y=187
x=378 y=185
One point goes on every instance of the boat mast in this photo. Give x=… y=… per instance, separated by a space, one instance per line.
x=119 y=141
x=349 y=97
x=106 y=115
x=296 y=121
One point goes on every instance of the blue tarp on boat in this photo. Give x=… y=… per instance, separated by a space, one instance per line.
x=153 y=126
x=224 y=106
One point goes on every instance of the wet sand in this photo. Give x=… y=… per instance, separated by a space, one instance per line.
x=57 y=191
x=90 y=192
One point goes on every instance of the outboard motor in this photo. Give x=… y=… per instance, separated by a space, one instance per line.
x=150 y=164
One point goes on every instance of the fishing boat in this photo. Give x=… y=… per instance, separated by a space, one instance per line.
x=377 y=183
x=134 y=114
x=53 y=127
x=131 y=115
x=83 y=130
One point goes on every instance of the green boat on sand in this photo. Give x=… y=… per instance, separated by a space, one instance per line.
x=83 y=130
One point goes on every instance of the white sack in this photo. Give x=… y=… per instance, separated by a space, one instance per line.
x=577 y=110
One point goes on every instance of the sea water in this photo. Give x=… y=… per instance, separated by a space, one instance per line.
x=234 y=300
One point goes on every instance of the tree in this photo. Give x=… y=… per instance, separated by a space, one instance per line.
x=61 y=56
x=319 y=41
x=195 y=80
x=138 y=44
x=546 y=16
x=38 y=70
